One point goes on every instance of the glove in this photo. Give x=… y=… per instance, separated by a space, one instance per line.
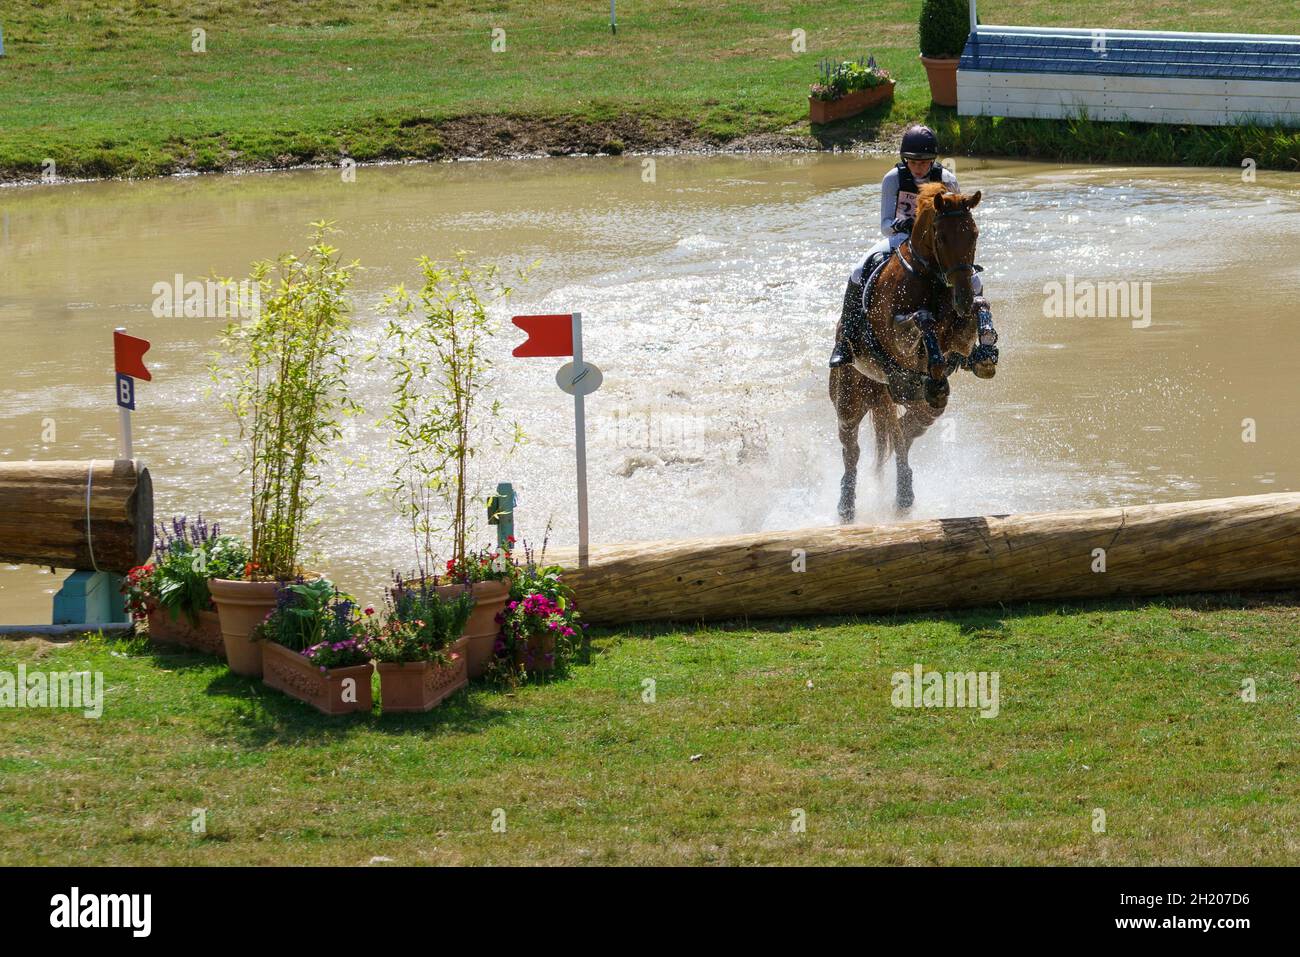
x=903 y=224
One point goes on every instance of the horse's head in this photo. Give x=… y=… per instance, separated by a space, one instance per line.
x=945 y=233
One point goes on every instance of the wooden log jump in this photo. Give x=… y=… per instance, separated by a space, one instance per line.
x=70 y=515
x=1247 y=543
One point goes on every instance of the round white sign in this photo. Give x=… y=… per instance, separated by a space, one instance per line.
x=584 y=383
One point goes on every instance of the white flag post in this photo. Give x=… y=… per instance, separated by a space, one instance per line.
x=578 y=378
x=547 y=337
x=580 y=437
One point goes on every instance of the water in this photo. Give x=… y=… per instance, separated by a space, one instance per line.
x=709 y=297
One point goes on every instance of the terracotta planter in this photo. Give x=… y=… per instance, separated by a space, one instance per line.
x=207 y=636
x=482 y=629
x=942 y=72
x=421 y=685
x=533 y=654
x=851 y=104
x=242 y=606
x=165 y=630
x=336 y=691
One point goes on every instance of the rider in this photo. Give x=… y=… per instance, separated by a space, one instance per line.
x=898 y=194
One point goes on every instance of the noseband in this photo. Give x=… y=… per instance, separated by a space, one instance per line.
x=929 y=267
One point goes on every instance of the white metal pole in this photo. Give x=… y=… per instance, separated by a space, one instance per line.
x=580 y=436
x=973 y=17
x=124 y=415
x=126 y=432
x=613 y=17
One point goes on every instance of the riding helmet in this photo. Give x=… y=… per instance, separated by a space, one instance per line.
x=919 y=143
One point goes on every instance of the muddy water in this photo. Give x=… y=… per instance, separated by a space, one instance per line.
x=710 y=295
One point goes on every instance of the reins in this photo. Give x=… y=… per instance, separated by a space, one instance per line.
x=940 y=273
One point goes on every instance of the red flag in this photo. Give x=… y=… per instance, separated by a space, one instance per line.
x=547 y=335
x=128 y=355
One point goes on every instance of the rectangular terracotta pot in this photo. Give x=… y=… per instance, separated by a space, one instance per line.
x=851 y=104
x=421 y=685
x=165 y=630
x=336 y=691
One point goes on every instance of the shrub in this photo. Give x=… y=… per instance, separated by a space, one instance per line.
x=285 y=383
x=943 y=27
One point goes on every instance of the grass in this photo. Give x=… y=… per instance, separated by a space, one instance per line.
x=113 y=87
x=1131 y=708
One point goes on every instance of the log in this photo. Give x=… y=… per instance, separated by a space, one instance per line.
x=1243 y=543
x=43 y=514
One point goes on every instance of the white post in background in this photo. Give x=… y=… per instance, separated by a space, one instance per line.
x=124 y=415
x=973 y=17
x=580 y=437
x=613 y=17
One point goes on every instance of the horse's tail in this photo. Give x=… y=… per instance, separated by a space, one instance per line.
x=884 y=421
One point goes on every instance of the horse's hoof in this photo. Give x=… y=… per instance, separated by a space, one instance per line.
x=936 y=393
x=984 y=362
x=905 y=499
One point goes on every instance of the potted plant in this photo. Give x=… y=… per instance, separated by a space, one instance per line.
x=486 y=576
x=943 y=29
x=438 y=336
x=420 y=649
x=541 y=628
x=847 y=88
x=284 y=381
x=187 y=556
x=315 y=648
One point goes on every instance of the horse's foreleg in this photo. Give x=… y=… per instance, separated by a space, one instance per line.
x=848 y=392
x=918 y=417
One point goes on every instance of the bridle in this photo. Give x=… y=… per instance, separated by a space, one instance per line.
x=941 y=272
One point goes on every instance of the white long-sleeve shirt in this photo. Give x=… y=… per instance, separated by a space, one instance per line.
x=891 y=210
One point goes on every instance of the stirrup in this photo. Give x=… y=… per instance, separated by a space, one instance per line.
x=841 y=355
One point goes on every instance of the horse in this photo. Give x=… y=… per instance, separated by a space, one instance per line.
x=919 y=327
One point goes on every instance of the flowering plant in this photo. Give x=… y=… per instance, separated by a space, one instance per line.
x=186 y=555
x=338 y=654
x=838 y=79
x=140 y=591
x=317 y=620
x=540 y=626
x=420 y=625
x=485 y=565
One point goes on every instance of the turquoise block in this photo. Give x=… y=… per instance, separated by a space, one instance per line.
x=92 y=597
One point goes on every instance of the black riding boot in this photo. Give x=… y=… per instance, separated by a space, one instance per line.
x=850 y=325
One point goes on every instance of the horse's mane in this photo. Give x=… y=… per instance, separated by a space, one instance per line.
x=923 y=228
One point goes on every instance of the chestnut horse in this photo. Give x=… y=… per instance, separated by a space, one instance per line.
x=919 y=327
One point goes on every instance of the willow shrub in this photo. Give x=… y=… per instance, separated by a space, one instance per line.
x=284 y=379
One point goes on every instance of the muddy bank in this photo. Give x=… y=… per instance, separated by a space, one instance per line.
x=492 y=137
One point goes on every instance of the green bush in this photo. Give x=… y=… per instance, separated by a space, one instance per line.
x=944 y=26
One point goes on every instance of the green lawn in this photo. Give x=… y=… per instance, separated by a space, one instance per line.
x=1133 y=709
x=112 y=87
